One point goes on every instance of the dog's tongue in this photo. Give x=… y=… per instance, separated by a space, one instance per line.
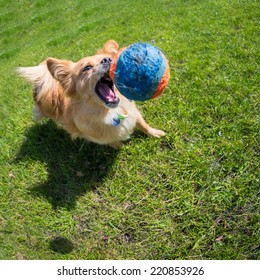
x=106 y=92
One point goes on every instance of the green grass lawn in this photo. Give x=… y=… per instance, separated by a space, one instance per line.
x=191 y=195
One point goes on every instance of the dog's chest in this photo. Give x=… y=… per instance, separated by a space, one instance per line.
x=121 y=124
x=116 y=125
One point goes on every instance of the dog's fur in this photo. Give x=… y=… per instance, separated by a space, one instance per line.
x=82 y=97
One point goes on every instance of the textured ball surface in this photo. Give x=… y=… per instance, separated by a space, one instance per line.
x=140 y=71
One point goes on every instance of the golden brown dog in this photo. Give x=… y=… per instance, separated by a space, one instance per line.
x=82 y=97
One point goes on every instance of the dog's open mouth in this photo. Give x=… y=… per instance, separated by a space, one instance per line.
x=105 y=91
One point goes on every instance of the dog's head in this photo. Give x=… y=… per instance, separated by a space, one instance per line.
x=88 y=78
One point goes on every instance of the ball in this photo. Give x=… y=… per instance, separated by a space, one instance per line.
x=140 y=71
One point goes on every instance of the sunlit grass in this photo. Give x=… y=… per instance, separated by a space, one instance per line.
x=191 y=195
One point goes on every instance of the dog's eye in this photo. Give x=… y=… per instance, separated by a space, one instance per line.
x=87 y=68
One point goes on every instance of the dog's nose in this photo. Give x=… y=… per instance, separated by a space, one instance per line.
x=106 y=60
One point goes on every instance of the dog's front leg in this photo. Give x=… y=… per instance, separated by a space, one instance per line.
x=143 y=126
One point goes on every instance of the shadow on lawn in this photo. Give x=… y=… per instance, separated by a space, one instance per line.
x=74 y=167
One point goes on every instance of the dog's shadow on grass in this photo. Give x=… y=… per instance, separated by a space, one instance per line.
x=73 y=167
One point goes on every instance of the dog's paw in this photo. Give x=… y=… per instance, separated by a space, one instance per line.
x=156 y=132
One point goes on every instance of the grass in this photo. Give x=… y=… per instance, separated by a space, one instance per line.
x=191 y=195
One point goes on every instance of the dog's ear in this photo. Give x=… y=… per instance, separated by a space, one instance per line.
x=110 y=48
x=61 y=70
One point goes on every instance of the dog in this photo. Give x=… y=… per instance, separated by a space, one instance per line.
x=82 y=98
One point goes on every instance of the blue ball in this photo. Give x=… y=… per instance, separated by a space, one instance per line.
x=139 y=70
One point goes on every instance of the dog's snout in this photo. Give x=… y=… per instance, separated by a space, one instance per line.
x=106 y=60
